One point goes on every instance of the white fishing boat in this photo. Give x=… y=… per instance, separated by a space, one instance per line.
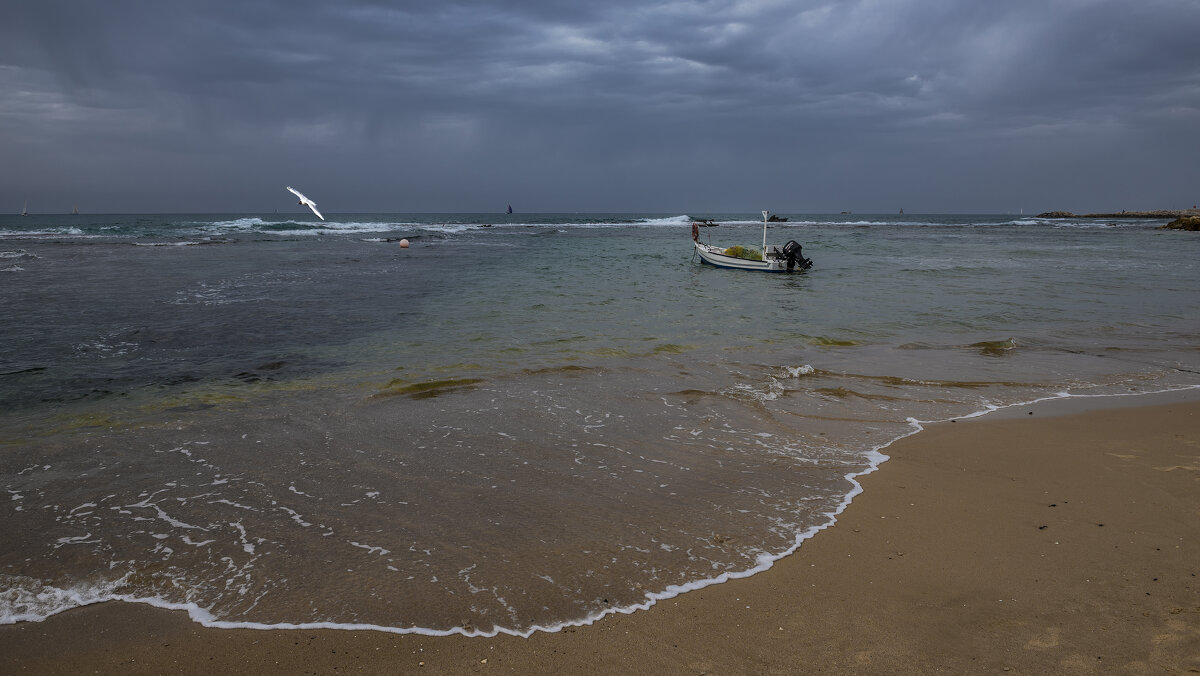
x=768 y=259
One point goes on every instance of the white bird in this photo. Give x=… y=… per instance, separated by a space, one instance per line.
x=305 y=201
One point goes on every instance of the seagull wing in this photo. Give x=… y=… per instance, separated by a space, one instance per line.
x=305 y=201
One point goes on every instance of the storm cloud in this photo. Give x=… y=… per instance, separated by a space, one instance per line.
x=677 y=107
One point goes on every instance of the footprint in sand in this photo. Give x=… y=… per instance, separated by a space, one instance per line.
x=1186 y=468
x=1124 y=456
x=1050 y=640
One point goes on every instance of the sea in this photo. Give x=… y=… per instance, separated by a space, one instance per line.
x=519 y=422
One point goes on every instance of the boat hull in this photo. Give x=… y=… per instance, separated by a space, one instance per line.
x=716 y=256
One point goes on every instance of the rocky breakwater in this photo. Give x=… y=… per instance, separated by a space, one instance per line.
x=1183 y=223
x=1160 y=213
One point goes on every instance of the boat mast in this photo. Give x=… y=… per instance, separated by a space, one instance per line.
x=764 y=249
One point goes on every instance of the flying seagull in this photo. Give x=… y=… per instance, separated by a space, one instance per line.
x=304 y=200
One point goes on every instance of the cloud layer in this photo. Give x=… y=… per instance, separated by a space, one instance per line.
x=869 y=105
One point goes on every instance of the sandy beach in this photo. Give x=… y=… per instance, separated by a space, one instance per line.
x=1041 y=540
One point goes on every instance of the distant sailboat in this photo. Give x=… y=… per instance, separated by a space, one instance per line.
x=25 y=209
x=75 y=211
x=510 y=208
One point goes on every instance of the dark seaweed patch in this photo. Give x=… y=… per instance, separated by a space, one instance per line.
x=426 y=390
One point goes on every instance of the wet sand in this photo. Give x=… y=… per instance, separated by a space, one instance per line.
x=1037 y=541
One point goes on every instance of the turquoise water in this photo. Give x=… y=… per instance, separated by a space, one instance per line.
x=518 y=421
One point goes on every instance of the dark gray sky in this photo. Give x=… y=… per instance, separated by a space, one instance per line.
x=603 y=105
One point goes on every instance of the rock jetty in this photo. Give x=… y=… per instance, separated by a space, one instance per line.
x=1160 y=213
x=1183 y=223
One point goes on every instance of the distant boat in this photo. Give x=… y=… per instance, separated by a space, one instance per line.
x=75 y=211
x=510 y=208
x=25 y=209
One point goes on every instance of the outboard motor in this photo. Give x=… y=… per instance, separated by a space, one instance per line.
x=794 y=254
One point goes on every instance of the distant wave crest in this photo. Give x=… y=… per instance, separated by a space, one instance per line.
x=683 y=219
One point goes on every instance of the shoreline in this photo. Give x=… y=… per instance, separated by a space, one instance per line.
x=1036 y=538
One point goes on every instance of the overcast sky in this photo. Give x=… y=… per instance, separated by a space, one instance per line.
x=600 y=105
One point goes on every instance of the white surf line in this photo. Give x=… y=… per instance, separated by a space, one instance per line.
x=765 y=561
